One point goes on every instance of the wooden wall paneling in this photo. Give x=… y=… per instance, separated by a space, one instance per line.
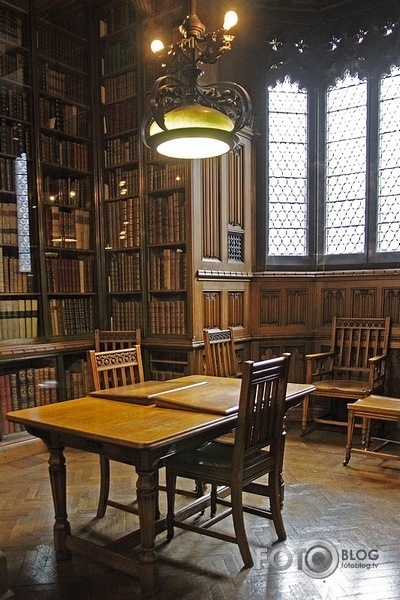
x=212 y=309
x=364 y=302
x=391 y=304
x=236 y=316
x=211 y=202
x=296 y=307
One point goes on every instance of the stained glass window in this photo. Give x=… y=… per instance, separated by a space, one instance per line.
x=345 y=166
x=287 y=170
x=388 y=222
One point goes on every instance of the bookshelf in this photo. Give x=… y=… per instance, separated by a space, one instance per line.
x=18 y=289
x=47 y=242
x=122 y=207
x=66 y=172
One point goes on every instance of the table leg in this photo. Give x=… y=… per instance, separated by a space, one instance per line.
x=58 y=482
x=147 y=495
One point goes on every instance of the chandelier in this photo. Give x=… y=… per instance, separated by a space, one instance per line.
x=188 y=120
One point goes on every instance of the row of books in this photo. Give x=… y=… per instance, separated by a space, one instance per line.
x=69 y=275
x=71 y=316
x=121 y=150
x=77 y=379
x=69 y=118
x=119 y=15
x=8 y=222
x=122 y=182
x=14 y=138
x=12 y=65
x=124 y=273
x=118 y=55
x=10 y=26
x=166 y=217
x=67 y=191
x=126 y=315
x=167 y=317
x=168 y=269
x=152 y=72
x=26 y=388
x=123 y=224
x=61 y=47
x=120 y=117
x=172 y=175
x=65 y=153
x=158 y=375
x=64 y=85
x=18 y=318
x=7 y=175
x=67 y=228
x=12 y=280
x=13 y=101
x=119 y=87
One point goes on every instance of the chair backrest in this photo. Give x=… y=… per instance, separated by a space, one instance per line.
x=261 y=408
x=220 y=353
x=114 y=368
x=114 y=340
x=355 y=341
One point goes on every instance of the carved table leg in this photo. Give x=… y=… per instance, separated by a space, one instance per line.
x=147 y=504
x=62 y=527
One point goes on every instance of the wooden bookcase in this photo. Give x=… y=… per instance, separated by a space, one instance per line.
x=48 y=287
x=122 y=206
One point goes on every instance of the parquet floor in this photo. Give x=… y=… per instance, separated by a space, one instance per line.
x=335 y=516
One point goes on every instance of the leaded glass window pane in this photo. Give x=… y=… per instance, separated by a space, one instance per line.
x=388 y=225
x=346 y=165
x=287 y=170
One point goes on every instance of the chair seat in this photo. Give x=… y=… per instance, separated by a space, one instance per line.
x=214 y=460
x=385 y=405
x=332 y=386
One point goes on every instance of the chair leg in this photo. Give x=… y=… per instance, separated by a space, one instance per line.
x=304 y=419
x=104 y=486
x=171 y=488
x=275 y=503
x=350 y=431
x=238 y=522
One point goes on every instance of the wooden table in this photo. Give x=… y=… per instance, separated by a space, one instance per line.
x=130 y=433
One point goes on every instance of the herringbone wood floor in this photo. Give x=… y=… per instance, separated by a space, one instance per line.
x=351 y=509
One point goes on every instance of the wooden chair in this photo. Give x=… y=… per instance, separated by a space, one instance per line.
x=381 y=408
x=113 y=368
x=114 y=340
x=353 y=368
x=257 y=451
x=220 y=353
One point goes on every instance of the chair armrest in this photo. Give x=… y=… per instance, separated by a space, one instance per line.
x=319 y=355
x=375 y=359
x=377 y=369
x=319 y=366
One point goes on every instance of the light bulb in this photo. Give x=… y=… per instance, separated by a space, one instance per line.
x=156 y=46
x=230 y=20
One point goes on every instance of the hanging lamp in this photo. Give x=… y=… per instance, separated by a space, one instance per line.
x=187 y=120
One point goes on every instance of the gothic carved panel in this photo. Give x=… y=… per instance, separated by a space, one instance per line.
x=296 y=301
x=235 y=309
x=364 y=302
x=270 y=307
x=391 y=304
x=333 y=305
x=211 y=309
x=211 y=203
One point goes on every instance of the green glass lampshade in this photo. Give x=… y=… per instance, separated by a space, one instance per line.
x=192 y=131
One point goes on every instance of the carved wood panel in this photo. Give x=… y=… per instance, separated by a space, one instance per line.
x=235 y=309
x=270 y=307
x=211 y=204
x=211 y=309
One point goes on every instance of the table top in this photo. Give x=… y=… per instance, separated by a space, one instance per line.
x=144 y=392
x=122 y=423
x=204 y=393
